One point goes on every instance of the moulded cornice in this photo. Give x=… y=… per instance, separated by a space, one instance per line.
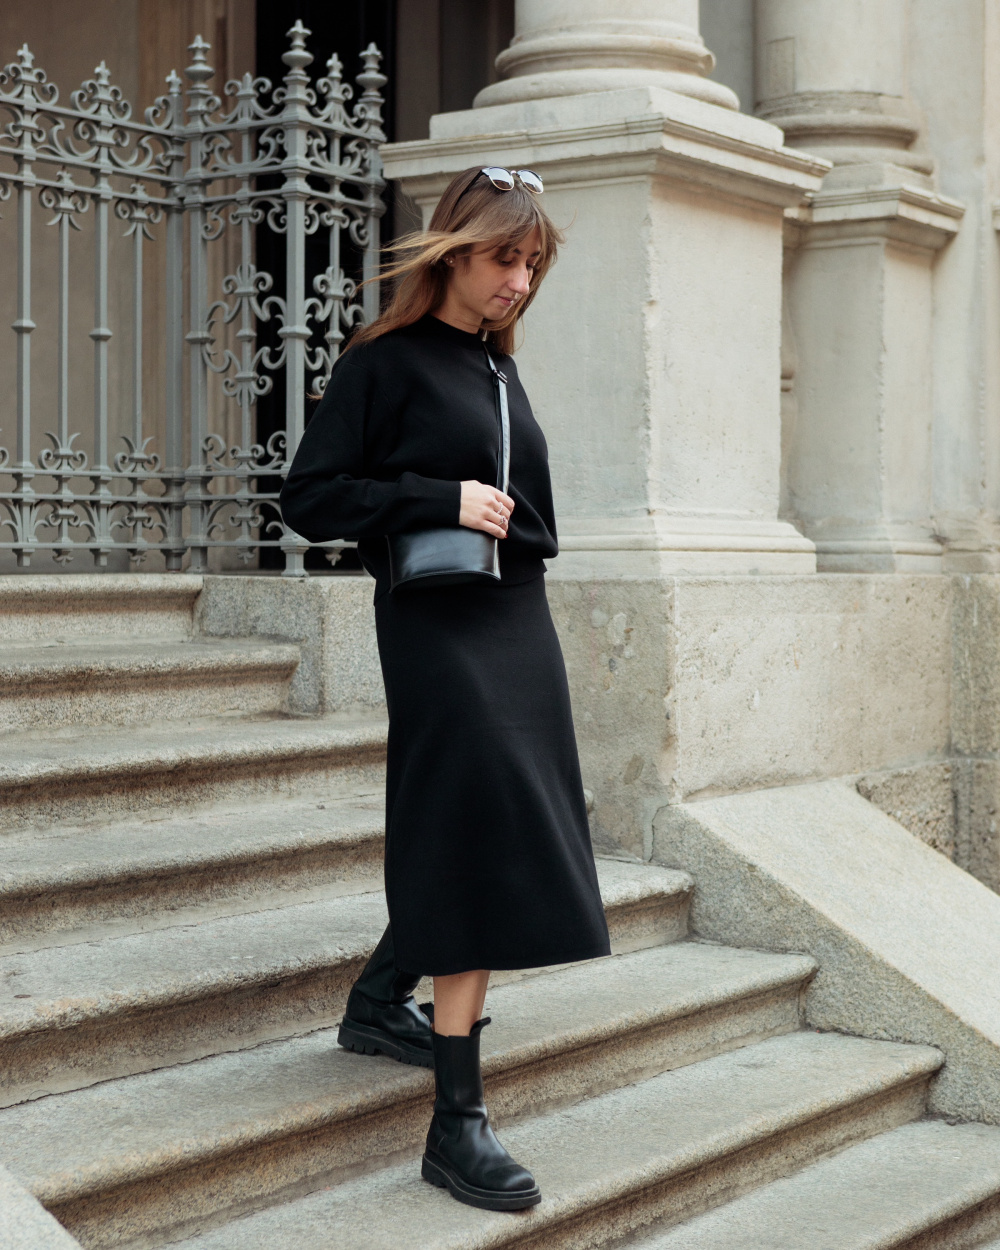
x=904 y=214
x=649 y=144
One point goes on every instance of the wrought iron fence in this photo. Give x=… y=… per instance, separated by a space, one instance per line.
x=299 y=160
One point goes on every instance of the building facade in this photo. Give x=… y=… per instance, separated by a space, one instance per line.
x=767 y=367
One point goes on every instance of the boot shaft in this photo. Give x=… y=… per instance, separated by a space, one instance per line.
x=381 y=981
x=458 y=1077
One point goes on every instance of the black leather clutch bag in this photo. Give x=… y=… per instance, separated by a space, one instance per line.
x=453 y=554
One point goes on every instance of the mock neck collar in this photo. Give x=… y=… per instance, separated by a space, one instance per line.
x=441 y=329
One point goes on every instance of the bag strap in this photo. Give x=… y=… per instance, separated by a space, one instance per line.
x=503 y=460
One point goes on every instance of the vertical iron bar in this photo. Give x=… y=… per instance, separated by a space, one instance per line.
x=63 y=338
x=199 y=335
x=24 y=470
x=295 y=119
x=104 y=139
x=174 y=316
x=137 y=241
x=371 y=80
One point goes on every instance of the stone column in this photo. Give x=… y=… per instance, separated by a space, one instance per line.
x=858 y=462
x=566 y=47
x=652 y=356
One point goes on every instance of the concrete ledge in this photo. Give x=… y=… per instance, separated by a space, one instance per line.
x=24 y=1222
x=906 y=942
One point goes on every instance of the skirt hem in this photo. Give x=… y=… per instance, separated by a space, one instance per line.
x=573 y=957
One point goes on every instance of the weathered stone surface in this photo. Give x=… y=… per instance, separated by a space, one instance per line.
x=689 y=687
x=665 y=1148
x=90 y=1010
x=241 y=1126
x=137 y=873
x=76 y=775
x=84 y=682
x=24 y=1222
x=906 y=941
x=931 y=1180
x=921 y=799
x=329 y=618
x=63 y=606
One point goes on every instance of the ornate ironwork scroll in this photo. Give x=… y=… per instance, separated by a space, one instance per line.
x=158 y=196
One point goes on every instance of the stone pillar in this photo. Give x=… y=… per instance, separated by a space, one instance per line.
x=859 y=282
x=567 y=47
x=652 y=356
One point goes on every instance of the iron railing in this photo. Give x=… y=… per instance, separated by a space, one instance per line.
x=187 y=332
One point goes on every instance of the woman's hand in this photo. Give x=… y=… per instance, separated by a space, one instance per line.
x=485 y=508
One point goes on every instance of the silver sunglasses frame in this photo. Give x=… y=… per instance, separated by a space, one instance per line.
x=491 y=170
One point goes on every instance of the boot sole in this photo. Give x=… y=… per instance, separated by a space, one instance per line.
x=369 y=1041
x=487 y=1199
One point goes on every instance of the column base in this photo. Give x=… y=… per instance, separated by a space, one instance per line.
x=886 y=552
x=615 y=547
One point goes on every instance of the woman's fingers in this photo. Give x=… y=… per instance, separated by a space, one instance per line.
x=485 y=508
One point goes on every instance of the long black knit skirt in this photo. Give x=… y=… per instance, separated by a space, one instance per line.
x=488 y=861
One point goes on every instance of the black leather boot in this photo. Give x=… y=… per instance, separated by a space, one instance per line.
x=382 y=1017
x=463 y=1154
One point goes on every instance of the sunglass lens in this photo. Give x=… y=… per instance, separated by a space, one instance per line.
x=531 y=180
x=502 y=179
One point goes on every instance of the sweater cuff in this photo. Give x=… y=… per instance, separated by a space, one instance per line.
x=442 y=500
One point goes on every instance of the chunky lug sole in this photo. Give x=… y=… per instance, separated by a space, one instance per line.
x=437 y=1173
x=370 y=1041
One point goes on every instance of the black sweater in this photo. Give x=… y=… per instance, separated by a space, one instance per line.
x=403 y=421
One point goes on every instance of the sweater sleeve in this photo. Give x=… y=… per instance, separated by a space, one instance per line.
x=328 y=493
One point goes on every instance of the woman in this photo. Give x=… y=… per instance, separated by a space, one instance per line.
x=488 y=862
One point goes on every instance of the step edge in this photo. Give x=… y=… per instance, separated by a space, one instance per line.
x=756 y=1130
x=208 y=1150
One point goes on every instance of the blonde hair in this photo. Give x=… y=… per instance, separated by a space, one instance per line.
x=471 y=215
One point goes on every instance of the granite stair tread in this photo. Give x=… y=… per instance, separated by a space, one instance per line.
x=210 y=965
x=118 y=605
x=39 y=756
x=66 y=857
x=32 y=663
x=55 y=986
x=126 y=871
x=123 y=682
x=115 y=1132
x=96 y=775
x=608 y=1164
x=876 y=1195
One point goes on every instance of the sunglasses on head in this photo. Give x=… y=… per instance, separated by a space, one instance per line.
x=503 y=179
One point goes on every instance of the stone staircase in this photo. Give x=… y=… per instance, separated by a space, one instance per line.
x=189 y=884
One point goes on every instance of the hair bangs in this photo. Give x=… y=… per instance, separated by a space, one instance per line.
x=471 y=216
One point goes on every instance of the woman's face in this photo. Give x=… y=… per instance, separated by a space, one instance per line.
x=486 y=285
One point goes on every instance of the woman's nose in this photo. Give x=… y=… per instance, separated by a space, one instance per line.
x=521 y=281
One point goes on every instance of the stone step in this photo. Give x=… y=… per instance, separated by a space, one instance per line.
x=929 y=1184
x=141 y=874
x=83 y=1012
x=85 y=776
x=59 y=607
x=124 y=1159
x=665 y=1148
x=121 y=682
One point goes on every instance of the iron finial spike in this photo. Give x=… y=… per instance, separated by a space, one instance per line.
x=199 y=70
